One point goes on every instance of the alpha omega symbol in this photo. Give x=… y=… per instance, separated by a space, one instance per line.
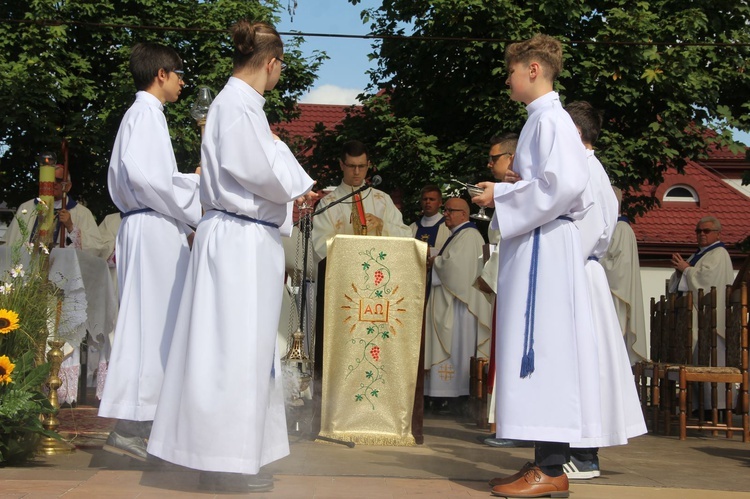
x=373 y=310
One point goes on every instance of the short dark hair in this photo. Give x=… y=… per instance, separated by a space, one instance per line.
x=431 y=188
x=588 y=119
x=146 y=59
x=353 y=148
x=510 y=138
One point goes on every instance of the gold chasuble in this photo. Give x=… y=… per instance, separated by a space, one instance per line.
x=374 y=301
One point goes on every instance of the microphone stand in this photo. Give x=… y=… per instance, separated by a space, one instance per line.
x=305 y=225
x=305 y=229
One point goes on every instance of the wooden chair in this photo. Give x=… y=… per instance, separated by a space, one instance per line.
x=676 y=349
x=705 y=356
x=478 y=392
x=645 y=369
x=735 y=371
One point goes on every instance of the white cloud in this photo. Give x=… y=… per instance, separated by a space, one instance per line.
x=331 y=94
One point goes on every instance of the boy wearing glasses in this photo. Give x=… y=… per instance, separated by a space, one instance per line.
x=547 y=386
x=158 y=206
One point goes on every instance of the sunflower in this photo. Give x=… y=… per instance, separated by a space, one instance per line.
x=5 y=369
x=8 y=321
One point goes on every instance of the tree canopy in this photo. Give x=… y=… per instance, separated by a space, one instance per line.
x=65 y=77
x=663 y=72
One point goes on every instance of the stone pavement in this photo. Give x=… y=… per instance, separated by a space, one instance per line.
x=451 y=463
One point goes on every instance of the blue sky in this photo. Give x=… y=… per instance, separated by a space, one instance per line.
x=343 y=76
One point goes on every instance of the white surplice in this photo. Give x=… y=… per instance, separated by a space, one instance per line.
x=337 y=219
x=457 y=318
x=222 y=407
x=621 y=410
x=152 y=255
x=623 y=269
x=559 y=401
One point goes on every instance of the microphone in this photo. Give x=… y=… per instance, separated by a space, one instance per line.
x=376 y=181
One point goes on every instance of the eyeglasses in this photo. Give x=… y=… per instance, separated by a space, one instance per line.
x=60 y=180
x=180 y=74
x=283 y=64
x=354 y=167
x=705 y=231
x=452 y=210
x=494 y=157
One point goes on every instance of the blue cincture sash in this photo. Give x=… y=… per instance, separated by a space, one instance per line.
x=249 y=219
x=134 y=212
x=527 y=361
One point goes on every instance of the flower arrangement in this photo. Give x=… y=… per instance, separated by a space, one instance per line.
x=26 y=308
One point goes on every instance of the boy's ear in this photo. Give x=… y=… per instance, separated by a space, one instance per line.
x=535 y=69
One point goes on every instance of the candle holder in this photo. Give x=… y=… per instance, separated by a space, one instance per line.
x=48 y=445
x=199 y=109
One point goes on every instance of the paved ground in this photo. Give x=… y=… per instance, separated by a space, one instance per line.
x=451 y=463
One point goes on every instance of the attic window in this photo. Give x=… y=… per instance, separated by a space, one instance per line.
x=681 y=194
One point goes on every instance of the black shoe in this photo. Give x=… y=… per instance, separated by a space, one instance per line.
x=216 y=481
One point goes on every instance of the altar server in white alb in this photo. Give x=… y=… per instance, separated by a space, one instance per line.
x=621 y=410
x=158 y=203
x=221 y=409
x=547 y=369
x=458 y=316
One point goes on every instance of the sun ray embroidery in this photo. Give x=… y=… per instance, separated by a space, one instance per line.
x=372 y=329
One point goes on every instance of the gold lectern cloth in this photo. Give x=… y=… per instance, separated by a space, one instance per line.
x=374 y=302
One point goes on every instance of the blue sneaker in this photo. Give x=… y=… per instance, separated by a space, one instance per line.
x=581 y=470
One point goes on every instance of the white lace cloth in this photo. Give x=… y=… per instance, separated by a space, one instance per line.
x=89 y=305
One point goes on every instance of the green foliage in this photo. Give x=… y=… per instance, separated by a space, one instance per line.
x=21 y=404
x=663 y=72
x=27 y=306
x=71 y=81
x=26 y=290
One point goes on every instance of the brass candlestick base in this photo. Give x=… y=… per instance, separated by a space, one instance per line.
x=48 y=445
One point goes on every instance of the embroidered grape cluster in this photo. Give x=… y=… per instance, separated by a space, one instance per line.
x=375 y=352
x=378 y=277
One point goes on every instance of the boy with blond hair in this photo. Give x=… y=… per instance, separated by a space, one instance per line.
x=547 y=385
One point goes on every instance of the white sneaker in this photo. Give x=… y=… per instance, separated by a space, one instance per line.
x=581 y=470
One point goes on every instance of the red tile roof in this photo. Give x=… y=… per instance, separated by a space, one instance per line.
x=329 y=115
x=672 y=224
